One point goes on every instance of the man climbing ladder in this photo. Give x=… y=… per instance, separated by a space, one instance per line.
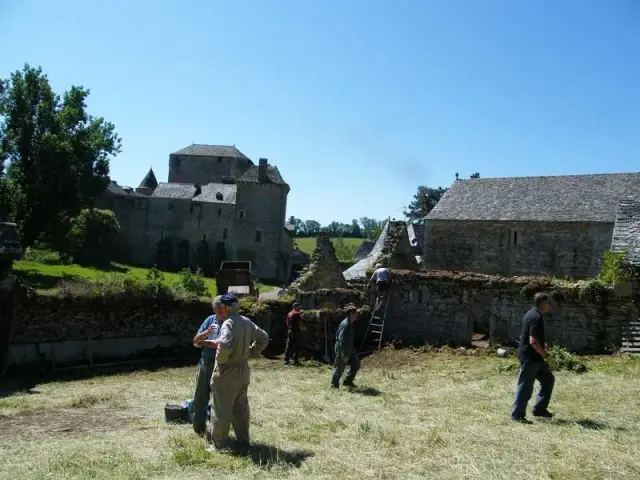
x=381 y=279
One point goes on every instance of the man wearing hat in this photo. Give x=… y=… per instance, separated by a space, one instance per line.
x=239 y=340
x=293 y=332
x=345 y=350
x=209 y=330
x=381 y=278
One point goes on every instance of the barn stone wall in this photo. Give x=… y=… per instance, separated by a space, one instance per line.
x=445 y=307
x=517 y=248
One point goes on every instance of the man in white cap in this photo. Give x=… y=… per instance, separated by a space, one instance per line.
x=239 y=340
x=381 y=279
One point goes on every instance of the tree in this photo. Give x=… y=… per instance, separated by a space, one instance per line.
x=475 y=175
x=298 y=226
x=93 y=237
x=356 y=231
x=423 y=202
x=312 y=228
x=371 y=228
x=57 y=154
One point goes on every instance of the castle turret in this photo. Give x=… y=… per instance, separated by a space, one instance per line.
x=148 y=184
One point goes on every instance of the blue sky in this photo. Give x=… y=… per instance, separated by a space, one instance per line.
x=356 y=101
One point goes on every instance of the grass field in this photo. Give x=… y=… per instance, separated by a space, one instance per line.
x=46 y=278
x=350 y=245
x=430 y=415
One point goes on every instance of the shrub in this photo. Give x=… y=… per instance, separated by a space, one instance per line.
x=45 y=257
x=615 y=268
x=595 y=291
x=193 y=283
x=561 y=359
x=156 y=283
x=344 y=251
x=92 y=237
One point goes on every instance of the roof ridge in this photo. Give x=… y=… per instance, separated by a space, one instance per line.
x=547 y=176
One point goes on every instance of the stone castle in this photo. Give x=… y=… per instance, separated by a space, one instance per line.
x=217 y=205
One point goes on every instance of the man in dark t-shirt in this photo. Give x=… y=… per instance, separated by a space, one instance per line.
x=533 y=365
x=293 y=331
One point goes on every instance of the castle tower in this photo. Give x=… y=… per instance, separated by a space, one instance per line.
x=148 y=184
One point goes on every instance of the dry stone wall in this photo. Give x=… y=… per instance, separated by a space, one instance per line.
x=323 y=271
x=447 y=307
x=43 y=320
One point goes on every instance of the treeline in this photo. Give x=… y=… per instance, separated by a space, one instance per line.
x=54 y=161
x=365 y=227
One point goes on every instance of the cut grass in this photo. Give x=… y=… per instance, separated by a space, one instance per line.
x=416 y=415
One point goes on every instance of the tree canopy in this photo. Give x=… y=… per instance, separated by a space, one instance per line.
x=55 y=153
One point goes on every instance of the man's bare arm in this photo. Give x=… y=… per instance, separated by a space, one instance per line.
x=538 y=347
x=198 y=340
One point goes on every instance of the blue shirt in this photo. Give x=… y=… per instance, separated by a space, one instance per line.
x=207 y=352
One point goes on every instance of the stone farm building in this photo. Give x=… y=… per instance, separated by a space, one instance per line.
x=216 y=205
x=555 y=225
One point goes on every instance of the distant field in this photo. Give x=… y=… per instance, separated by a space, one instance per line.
x=308 y=244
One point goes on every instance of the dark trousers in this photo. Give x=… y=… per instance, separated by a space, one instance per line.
x=339 y=365
x=202 y=394
x=529 y=373
x=291 y=350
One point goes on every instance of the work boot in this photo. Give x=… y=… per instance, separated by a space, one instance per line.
x=522 y=420
x=333 y=385
x=349 y=385
x=543 y=413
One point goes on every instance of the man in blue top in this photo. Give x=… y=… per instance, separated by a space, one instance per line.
x=209 y=330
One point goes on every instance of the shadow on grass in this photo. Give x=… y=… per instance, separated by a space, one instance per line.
x=267 y=456
x=368 y=391
x=586 y=423
x=17 y=386
x=40 y=281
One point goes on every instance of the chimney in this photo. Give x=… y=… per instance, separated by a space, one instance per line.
x=262 y=170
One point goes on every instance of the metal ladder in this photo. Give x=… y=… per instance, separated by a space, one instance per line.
x=376 y=324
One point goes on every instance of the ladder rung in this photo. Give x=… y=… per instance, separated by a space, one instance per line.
x=377 y=324
x=376 y=317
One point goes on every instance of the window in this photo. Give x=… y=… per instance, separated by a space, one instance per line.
x=241 y=214
x=219 y=211
x=218 y=196
x=514 y=237
x=170 y=206
x=258 y=236
x=219 y=159
x=224 y=234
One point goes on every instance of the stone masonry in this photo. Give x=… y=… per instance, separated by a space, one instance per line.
x=447 y=308
x=547 y=225
x=323 y=270
x=518 y=248
x=217 y=205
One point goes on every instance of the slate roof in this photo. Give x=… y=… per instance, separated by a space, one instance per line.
x=626 y=231
x=119 y=191
x=359 y=269
x=212 y=151
x=567 y=198
x=186 y=191
x=149 y=180
x=273 y=174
